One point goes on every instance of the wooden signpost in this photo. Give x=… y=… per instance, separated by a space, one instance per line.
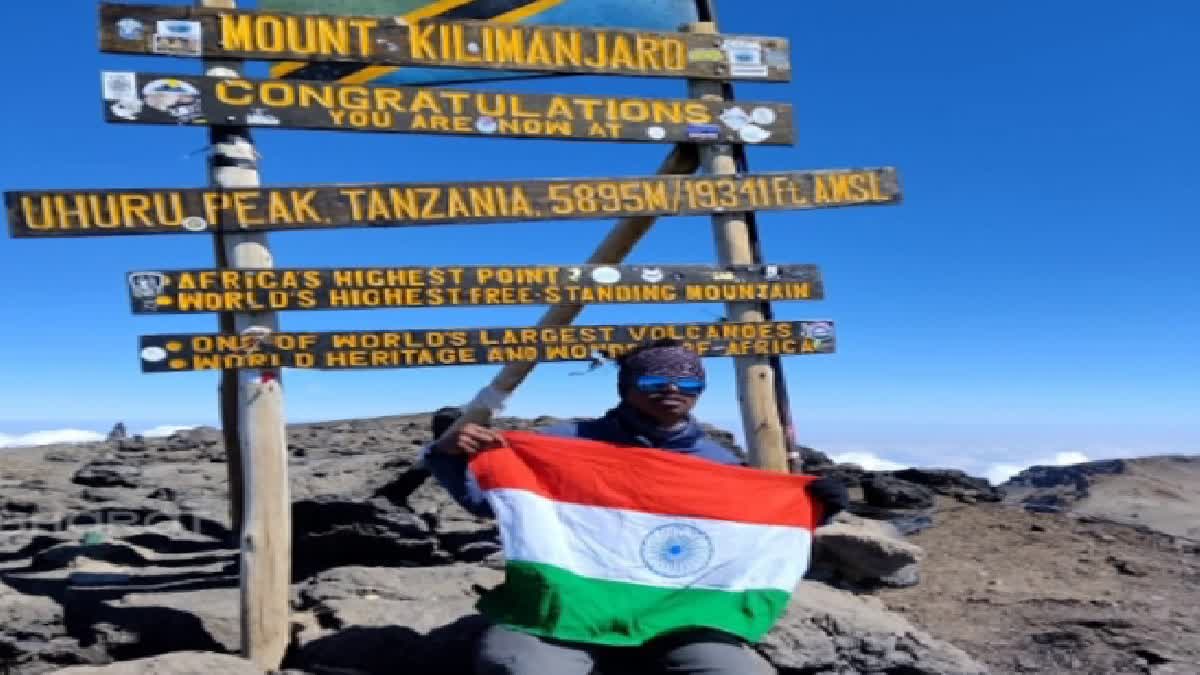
x=247 y=209
x=216 y=290
x=471 y=346
x=166 y=30
x=152 y=98
x=246 y=289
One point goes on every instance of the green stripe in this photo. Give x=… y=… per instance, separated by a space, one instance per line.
x=551 y=602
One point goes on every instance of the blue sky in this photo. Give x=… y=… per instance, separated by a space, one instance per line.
x=1035 y=294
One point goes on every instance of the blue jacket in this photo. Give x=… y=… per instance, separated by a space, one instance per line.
x=620 y=425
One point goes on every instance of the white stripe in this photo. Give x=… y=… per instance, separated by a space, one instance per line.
x=606 y=543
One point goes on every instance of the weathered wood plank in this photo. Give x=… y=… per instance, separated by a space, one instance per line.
x=158 y=211
x=274 y=36
x=212 y=290
x=470 y=346
x=151 y=98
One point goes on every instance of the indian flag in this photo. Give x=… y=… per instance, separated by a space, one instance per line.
x=618 y=545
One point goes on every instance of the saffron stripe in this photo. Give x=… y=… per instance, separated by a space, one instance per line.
x=547 y=601
x=641 y=479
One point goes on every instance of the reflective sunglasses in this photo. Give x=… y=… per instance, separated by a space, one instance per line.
x=651 y=384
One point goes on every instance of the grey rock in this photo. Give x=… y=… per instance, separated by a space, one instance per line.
x=830 y=631
x=107 y=473
x=952 y=483
x=864 y=553
x=392 y=620
x=886 y=491
x=180 y=663
x=332 y=532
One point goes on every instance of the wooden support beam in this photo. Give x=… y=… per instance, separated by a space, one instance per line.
x=766 y=441
x=619 y=242
x=265 y=513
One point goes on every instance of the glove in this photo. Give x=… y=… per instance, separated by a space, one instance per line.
x=832 y=495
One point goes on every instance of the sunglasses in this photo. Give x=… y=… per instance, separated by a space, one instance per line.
x=651 y=384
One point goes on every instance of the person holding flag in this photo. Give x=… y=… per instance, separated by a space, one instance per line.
x=626 y=548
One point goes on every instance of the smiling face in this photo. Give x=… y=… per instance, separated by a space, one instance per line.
x=666 y=405
x=668 y=408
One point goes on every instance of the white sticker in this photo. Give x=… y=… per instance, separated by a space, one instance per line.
x=753 y=134
x=154 y=354
x=130 y=29
x=652 y=275
x=735 y=118
x=763 y=116
x=119 y=86
x=657 y=133
x=748 y=71
x=127 y=109
x=261 y=117
x=473 y=47
x=743 y=52
x=194 y=224
x=486 y=125
x=174 y=36
x=606 y=275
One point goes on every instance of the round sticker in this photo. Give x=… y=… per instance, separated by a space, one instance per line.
x=154 y=354
x=657 y=133
x=486 y=125
x=606 y=275
x=763 y=116
x=195 y=224
x=753 y=134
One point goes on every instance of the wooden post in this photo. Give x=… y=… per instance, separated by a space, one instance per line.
x=766 y=441
x=619 y=242
x=265 y=512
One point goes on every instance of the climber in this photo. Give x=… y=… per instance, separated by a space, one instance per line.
x=659 y=384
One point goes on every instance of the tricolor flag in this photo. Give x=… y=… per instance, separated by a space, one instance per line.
x=617 y=545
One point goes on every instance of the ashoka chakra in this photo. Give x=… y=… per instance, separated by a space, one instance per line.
x=676 y=550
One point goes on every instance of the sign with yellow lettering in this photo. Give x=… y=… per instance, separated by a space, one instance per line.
x=472 y=346
x=269 y=290
x=292 y=104
x=276 y=36
x=166 y=211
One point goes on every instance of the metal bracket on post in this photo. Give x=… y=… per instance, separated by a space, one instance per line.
x=253 y=400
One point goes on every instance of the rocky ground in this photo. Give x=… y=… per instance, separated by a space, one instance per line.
x=119 y=552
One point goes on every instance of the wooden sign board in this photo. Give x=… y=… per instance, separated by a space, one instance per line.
x=275 y=36
x=270 y=290
x=472 y=346
x=78 y=213
x=143 y=98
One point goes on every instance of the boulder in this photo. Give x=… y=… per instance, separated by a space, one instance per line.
x=118 y=432
x=830 y=631
x=864 y=553
x=107 y=473
x=889 y=492
x=953 y=483
x=179 y=663
x=138 y=625
x=33 y=637
x=392 y=620
x=333 y=532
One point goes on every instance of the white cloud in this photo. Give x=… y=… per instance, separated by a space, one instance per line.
x=164 y=430
x=869 y=461
x=998 y=473
x=49 y=437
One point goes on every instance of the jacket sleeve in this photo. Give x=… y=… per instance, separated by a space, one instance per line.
x=452 y=474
